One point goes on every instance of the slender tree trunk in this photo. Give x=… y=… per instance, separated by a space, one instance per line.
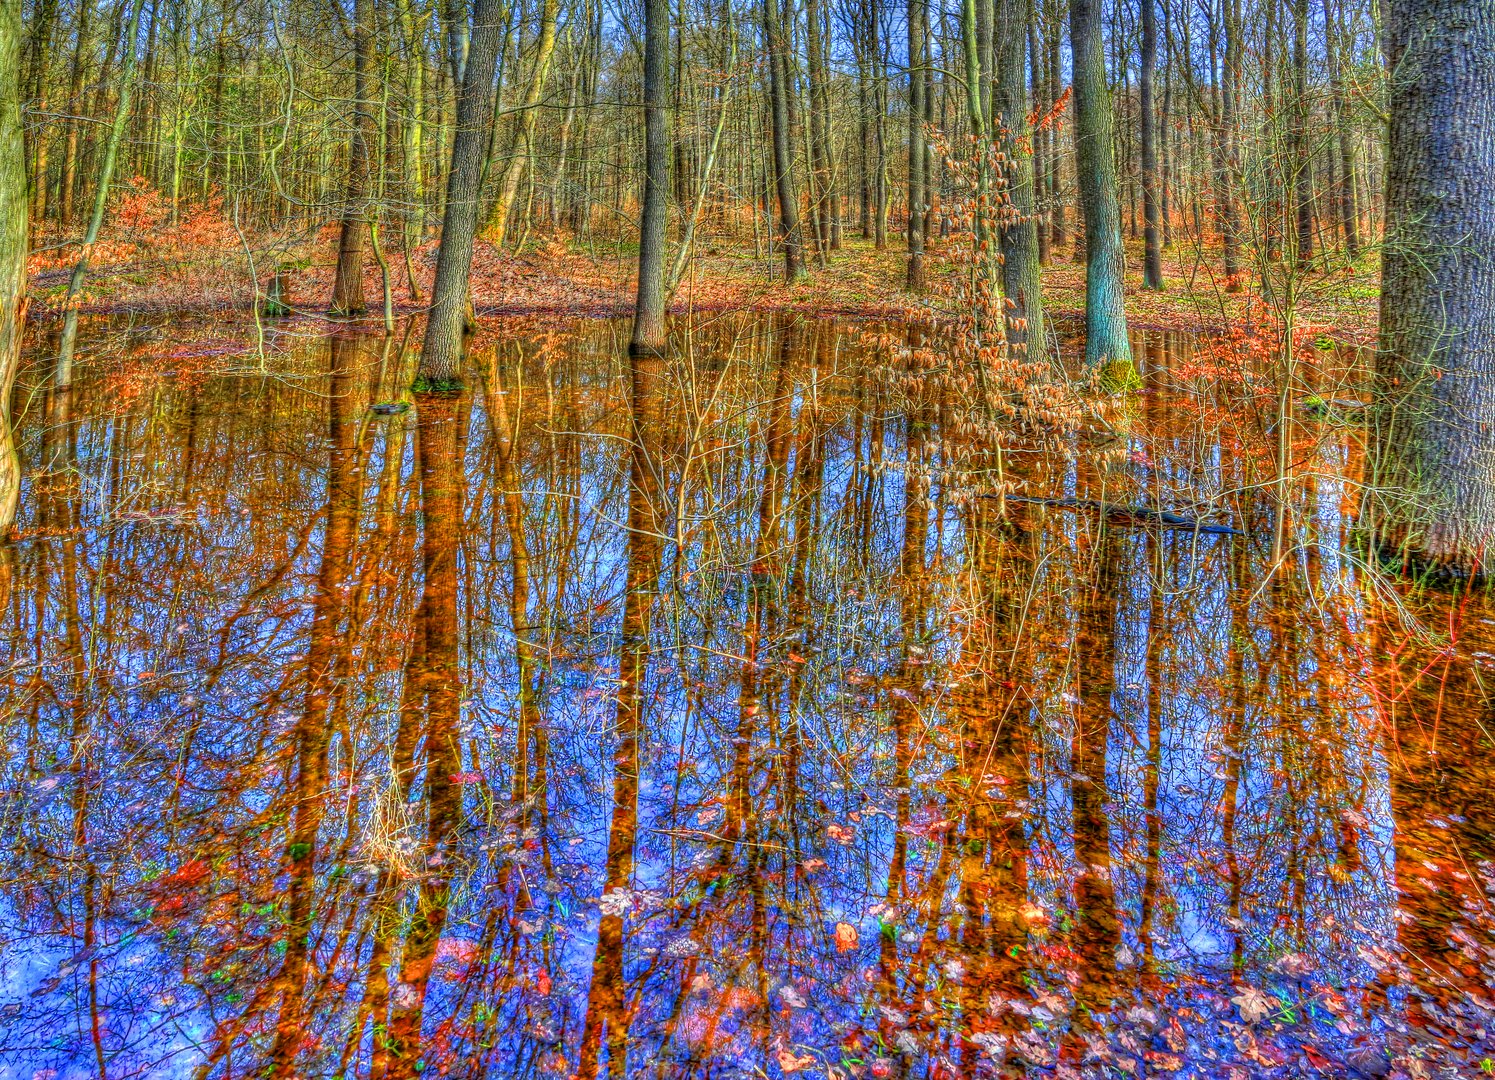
x=779 y=89
x=1227 y=165
x=1039 y=84
x=1432 y=490
x=524 y=132
x=1165 y=144
x=649 y=331
x=413 y=140
x=1106 y=344
x=918 y=21
x=864 y=126
x=68 y=181
x=64 y=369
x=1349 y=212
x=1019 y=240
x=1057 y=226
x=13 y=242
x=1152 y=267
x=38 y=66
x=820 y=152
x=1301 y=155
x=881 y=191
x=441 y=351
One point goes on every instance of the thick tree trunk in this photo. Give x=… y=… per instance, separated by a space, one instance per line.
x=347 y=288
x=441 y=351
x=12 y=249
x=1432 y=484
x=1106 y=345
x=649 y=334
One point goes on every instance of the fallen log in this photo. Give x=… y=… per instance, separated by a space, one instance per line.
x=1127 y=514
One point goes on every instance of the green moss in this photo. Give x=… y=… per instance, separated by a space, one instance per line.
x=1119 y=376
x=423 y=385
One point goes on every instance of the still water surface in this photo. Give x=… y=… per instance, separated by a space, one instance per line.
x=696 y=718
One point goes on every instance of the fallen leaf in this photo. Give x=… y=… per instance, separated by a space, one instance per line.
x=846 y=937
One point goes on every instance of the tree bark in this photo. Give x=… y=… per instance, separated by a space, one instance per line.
x=441 y=351
x=1106 y=344
x=1301 y=156
x=918 y=23
x=649 y=332
x=64 y=368
x=1431 y=495
x=347 y=288
x=1152 y=266
x=1349 y=213
x=790 y=236
x=13 y=205
x=524 y=133
x=1019 y=241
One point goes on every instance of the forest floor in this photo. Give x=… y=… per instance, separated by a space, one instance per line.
x=195 y=274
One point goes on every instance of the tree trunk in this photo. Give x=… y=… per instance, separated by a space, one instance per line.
x=347 y=289
x=1057 y=227
x=1349 y=213
x=820 y=146
x=67 y=181
x=1301 y=156
x=1039 y=94
x=64 y=369
x=1152 y=267
x=918 y=20
x=1431 y=494
x=1019 y=241
x=524 y=133
x=783 y=147
x=441 y=351
x=13 y=202
x=1106 y=345
x=649 y=335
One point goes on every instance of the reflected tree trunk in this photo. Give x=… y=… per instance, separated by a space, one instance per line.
x=442 y=442
x=313 y=729
x=1097 y=925
x=990 y=783
x=1437 y=713
x=605 y=1014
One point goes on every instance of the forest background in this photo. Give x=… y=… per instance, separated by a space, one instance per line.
x=1210 y=163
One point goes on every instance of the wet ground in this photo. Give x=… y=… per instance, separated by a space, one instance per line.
x=700 y=717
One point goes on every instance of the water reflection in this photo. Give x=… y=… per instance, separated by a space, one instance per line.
x=674 y=718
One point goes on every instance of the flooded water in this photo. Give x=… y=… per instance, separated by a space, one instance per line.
x=699 y=718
